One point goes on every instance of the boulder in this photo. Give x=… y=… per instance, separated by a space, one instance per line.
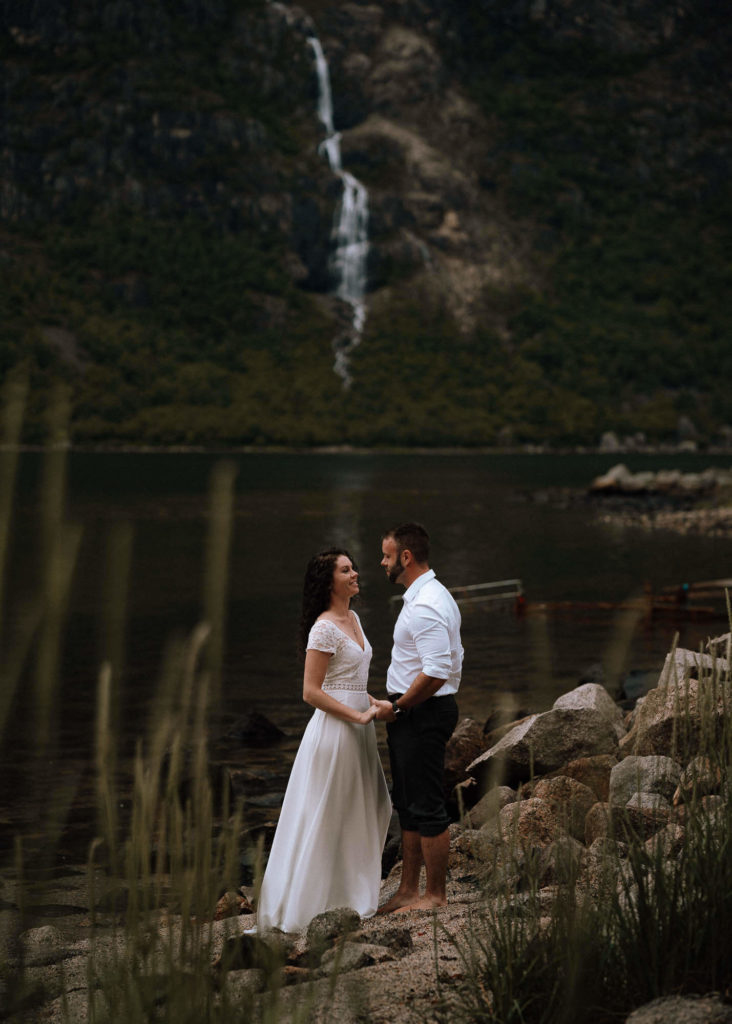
x=42 y=945
x=597 y=823
x=488 y=807
x=648 y=802
x=605 y=822
x=600 y=865
x=683 y=664
x=569 y=800
x=593 y=772
x=672 y=718
x=637 y=820
x=253 y=952
x=465 y=744
x=594 y=696
x=232 y=904
x=542 y=743
x=352 y=956
x=668 y=842
x=561 y=862
x=613 y=480
x=719 y=645
x=692 y=1009
x=332 y=924
x=466 y=847
x=700 y=778
x=610 y=443
x=653 y=774
x=530 y=823
x=240 y=985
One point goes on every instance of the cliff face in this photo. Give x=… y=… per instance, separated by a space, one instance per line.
x=165 y=109
x=163 y=198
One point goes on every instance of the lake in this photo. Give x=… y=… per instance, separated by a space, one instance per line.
x=490 y=517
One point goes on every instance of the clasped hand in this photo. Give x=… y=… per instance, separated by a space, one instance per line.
x=384 y=711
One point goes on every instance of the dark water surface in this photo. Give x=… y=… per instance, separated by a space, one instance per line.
x=488 y=518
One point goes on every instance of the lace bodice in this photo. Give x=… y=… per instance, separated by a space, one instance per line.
x=348 y=669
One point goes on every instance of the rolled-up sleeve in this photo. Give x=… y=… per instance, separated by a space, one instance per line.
x=432 y=639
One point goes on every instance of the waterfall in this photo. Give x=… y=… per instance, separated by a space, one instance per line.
x=350 y=224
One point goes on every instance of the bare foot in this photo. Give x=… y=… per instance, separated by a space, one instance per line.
x=398 y=900
x=422 y=903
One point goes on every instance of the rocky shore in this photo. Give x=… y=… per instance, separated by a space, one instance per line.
x=668 y=499
x=567 y=786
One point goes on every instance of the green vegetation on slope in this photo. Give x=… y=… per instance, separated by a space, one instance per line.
x=180 y=318
x=594 y=151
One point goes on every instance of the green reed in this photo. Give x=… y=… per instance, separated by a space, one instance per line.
x=156 y=871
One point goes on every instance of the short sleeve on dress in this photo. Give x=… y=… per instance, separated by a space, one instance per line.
x=323 y=637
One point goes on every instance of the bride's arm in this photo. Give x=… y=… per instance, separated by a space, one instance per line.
x=316 y=665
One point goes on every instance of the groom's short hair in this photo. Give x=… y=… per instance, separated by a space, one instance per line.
x=411 y=537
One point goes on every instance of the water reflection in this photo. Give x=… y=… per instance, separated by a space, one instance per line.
x=486 y=522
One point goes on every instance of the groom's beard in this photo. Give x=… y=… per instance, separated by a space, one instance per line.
x=395 y=571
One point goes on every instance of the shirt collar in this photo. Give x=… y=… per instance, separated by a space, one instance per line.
x=414 y=588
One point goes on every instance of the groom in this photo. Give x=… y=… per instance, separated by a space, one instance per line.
x=421 y=713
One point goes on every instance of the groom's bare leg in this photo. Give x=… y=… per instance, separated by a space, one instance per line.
x=408 y=890
x=436 y=853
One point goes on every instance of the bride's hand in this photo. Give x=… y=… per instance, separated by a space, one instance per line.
x=367 y=716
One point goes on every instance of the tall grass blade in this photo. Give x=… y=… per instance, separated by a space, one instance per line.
x=216 y=566
x=14 y=397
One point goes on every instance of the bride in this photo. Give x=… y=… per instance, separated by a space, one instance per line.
x=327 y=848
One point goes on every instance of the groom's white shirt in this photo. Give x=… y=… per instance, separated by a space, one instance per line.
x=426 y=638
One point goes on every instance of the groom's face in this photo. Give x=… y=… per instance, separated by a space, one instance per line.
x=391 y=561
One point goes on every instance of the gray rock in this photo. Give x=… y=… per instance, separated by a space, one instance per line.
x=669 y=718
x=699 y=778
x=240 y=984
x=613 y=480
x=708 y=1009
x=647 y=802
x=683 y=664
x=609 y=442
x=331 y=925
x=594 y=696
x=246 y=952
x=542 y=743
x=600 y=866
x=651 y=774
x=561 y=862
x=488 y=807
x=668 y=842
x=719 y=645
x=352 y=956
x=598 y=824
x=686 y=429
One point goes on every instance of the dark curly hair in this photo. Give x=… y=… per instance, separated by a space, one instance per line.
x=316 y=590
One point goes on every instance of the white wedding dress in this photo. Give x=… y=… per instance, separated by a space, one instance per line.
x=332 y=828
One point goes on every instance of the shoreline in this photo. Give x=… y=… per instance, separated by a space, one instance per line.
x=650 y=451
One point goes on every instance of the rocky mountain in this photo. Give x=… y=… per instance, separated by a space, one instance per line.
x=548 y=228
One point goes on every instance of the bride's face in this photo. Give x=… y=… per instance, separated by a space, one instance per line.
x=345 y=579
